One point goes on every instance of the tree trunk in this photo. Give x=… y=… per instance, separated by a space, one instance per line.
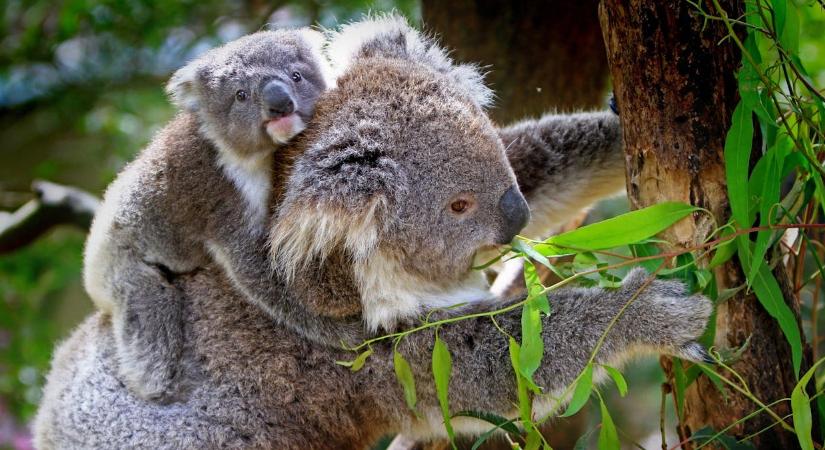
x=540 y=55
x=676 y=88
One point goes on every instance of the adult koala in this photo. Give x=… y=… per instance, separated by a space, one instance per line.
x=399 y=181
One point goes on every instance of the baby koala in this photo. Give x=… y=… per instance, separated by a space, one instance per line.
x=206 y=175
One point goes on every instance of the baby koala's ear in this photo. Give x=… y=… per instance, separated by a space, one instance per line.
x=182 y=87
x=316 y=43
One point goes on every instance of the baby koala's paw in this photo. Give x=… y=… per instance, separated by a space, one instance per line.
x=669 y=318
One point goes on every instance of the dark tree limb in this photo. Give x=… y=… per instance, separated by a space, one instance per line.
x=53 y=205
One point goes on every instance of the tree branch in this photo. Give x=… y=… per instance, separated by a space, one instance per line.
x=54 y=204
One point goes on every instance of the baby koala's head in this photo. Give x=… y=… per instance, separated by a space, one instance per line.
x=255 y=92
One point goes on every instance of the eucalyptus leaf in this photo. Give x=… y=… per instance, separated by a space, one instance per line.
x=405 y=377
x=584 y=386
x=770 y=296
x=608 y=437
x=618 y=378
x=532 y=344
x=801 y=409
x=500 y=422
x=442 y=369
x=356 y=364
x=624 y=229
x=737 y=157
x=525 y=403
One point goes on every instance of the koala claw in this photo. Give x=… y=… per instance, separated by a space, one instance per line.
x=695 y=352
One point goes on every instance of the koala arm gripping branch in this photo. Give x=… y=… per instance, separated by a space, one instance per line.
x=243 y=254
x=564 y=163
x=659 y=317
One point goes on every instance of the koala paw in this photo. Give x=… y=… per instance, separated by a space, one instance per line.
x=147 y=378
x=668 y=318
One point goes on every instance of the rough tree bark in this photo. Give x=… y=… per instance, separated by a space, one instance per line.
x=540 y=55
x=674 y=80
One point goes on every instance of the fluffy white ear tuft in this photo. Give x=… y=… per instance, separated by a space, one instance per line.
x=182 y=88
x=390 y=36
x=317 y=41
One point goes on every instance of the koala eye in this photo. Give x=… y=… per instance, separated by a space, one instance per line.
x=296 y=77
x=459 y=206
x=241 y=95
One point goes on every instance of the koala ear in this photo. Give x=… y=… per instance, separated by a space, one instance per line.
x=338 y=197
x=316 y=41
x=390 y=36
x=182 y=87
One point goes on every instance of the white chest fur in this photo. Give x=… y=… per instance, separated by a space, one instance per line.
x=252 y=177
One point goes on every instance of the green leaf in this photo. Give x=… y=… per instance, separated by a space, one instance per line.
x=737 y=157
x=769 y=197
x=533 y=440
x=703 y=278
x=789 y=32
x=749 y=80
x=442 y=368
x=647 y=249
x=724 y=252
x=770 y=296
x=525 y=404
x=706 y=435
x=583 y=442
x=618 y=378
x=610 y=281
x=483 y=438
x=531 y=252
x=780 y=11
x=582 y=392
x=608 y=437
x=532 y=344
x=405 y=377
x=500 y=422
x=624 y=229
x=801 y=409
x=356 y=364
x=535 y=289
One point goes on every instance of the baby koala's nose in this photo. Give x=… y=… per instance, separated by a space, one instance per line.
x=277 y=100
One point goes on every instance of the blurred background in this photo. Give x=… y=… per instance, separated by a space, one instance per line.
x=81 y=92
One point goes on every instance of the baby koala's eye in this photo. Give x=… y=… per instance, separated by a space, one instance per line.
x=296 y=77
x=241 y=95
x=459 y=206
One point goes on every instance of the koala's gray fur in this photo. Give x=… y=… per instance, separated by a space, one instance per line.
x=375 y=177
x=207 y=172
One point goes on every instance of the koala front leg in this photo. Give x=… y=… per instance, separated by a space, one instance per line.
x=148 y=328
x=564 y=163
x=662 y=318
x=243 y=254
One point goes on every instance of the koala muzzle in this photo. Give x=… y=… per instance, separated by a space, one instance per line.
x=515 y=213
x=277 y=100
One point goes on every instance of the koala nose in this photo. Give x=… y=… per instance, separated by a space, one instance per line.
x=277 y=100
x=515 y=212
